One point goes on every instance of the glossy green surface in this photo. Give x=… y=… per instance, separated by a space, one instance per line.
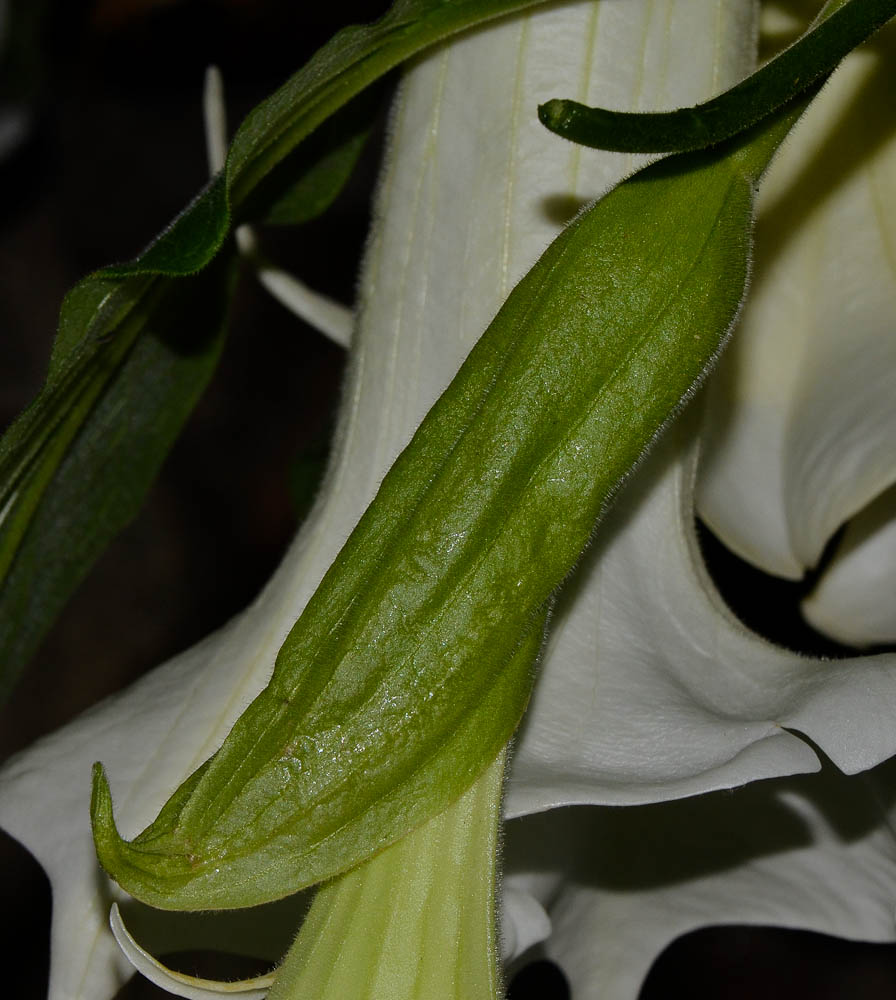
x=412 y=663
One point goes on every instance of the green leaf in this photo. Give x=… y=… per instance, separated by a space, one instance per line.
x=138 y=400
x=108 y=313
x=305 y=184
x=353 y=59
x=803 y=65
x=65 y=436
x=306 y=473
x=411 y=664
x=427 y=907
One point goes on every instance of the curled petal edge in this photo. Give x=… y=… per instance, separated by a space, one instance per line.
x=177 y=983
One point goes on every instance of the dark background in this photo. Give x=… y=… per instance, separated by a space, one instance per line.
x=115 y=149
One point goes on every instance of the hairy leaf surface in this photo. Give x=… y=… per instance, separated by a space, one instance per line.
x=412 y=663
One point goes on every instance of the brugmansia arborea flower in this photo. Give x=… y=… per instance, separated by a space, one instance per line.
x=649 y=690
x=801 y=408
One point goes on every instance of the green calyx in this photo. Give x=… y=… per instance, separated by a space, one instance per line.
x=412 y=663
x=415 y=922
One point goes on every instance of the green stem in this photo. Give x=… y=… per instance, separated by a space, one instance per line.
x=415 y=922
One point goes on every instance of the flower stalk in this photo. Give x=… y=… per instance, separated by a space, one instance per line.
x=415 y=922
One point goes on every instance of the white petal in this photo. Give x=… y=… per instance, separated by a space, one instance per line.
x=326 y=315
x=524 y=922
x=214 y=115
x=651 y=689
x=815 y=852
x=176 y=983
x=855 y=599
x=152 y=736
x=803 y=410
x=329 y=317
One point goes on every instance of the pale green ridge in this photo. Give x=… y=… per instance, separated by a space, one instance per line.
x=415 y=922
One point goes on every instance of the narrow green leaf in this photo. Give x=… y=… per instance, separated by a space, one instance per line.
x=804 y=64
x=353 y=59
x=107 y=314
x=64 y=436
x=140 y=399
x=189 y=243
x=306 y=473
x=305 y=184
x=411 y=664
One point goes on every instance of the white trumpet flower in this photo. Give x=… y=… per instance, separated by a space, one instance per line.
x=649 y=689
x=801 y=411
